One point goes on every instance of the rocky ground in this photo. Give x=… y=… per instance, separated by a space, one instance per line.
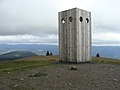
x=88 y=76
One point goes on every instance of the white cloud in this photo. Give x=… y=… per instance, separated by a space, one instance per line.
x=35 y=21
x=106 y=39
x=50 y=39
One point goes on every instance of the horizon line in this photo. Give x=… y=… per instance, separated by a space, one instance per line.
x=47 y=44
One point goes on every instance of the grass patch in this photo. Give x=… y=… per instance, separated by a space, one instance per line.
x=39 y=74
x=105 y=60
x=11 y=66
x=41 y=61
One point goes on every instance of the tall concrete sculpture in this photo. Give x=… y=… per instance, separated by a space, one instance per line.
x=75 y=35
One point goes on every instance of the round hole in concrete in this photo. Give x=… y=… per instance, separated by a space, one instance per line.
x=81 y=19
x=70 y=19
x=87 y=20
x=63 y=20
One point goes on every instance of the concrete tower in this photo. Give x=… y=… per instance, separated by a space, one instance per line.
x=75 y=35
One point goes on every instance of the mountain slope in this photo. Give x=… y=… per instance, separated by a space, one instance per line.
x=16 y=55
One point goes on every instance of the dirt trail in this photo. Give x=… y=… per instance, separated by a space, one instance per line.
x=86 y=77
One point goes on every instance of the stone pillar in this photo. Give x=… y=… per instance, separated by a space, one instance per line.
x=75 y=35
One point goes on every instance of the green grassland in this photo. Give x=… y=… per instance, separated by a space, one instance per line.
x=105 y=60
x=41 y=61
x=11 y=66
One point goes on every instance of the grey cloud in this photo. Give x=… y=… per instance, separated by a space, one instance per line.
x=39 y=18
x=28 y=17
x=29 y=39
x=31 y=30
x=106 y=43
x=106 y=28
x=105 y=16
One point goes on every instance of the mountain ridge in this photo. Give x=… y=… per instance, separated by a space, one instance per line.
x=104 y=51
x=17 y=55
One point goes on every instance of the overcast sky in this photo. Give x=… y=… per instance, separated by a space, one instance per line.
x=35 y=21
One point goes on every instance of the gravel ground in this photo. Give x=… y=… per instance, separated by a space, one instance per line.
x=61 y=77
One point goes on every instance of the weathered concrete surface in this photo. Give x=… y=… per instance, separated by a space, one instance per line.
x=75 y=35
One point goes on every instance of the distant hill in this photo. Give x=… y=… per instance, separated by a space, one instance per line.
x=39 y=49
x=32 y=47
x=107 y=51
x=17 y=55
